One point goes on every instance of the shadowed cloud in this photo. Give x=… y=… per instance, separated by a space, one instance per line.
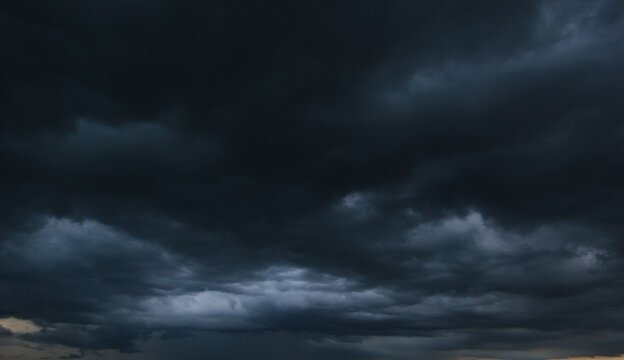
x=334 y=179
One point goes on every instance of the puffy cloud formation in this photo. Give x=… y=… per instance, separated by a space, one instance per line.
x=330 y=180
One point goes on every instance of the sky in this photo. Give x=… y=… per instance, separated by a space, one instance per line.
x=314 y=180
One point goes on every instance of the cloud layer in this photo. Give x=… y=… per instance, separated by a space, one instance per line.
x=333 y=180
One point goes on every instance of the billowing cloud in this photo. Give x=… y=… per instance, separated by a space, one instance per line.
x=331 y=180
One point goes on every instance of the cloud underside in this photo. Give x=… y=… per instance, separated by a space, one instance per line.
x=334 y=180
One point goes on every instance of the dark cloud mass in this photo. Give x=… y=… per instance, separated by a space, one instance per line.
x=311 y=180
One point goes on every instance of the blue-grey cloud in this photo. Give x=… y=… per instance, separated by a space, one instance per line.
x=344 y=180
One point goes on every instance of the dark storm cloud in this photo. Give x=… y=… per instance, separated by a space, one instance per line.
x=369 y=176
x=5 y=332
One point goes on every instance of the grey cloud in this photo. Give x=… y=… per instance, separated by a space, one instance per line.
x=370 y=180
x=5 y=332
x=464 y=273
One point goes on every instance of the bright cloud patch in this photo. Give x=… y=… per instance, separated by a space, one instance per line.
x=19 y=326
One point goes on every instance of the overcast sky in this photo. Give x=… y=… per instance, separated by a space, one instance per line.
x=314 y=180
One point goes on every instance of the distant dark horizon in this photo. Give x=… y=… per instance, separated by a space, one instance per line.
x=312 y=180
